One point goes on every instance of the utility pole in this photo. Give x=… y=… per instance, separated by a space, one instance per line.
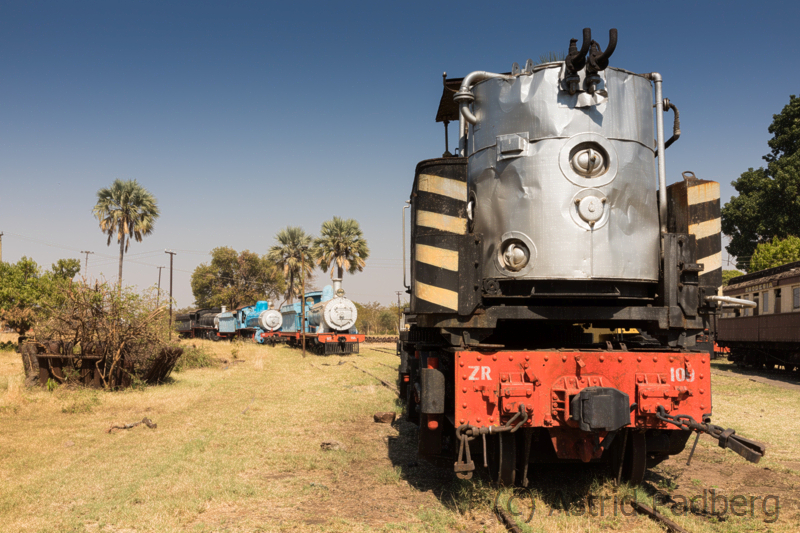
x=398 y=293
x=171 y=257
x=86 y=267
x=158 y=294
x=1 y=247
x=303 y=296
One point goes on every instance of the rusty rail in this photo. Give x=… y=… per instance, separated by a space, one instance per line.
x=655 y=515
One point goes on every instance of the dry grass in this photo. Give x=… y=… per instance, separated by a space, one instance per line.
x=237 y=449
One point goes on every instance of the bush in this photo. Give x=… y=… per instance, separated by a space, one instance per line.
x=123 y=328
x=194 y=357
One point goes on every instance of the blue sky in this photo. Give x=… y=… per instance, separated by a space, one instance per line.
x=245 y=117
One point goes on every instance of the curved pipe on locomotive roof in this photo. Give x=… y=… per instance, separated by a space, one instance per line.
x=464 y=97
x=737 y=302
x=602 y=60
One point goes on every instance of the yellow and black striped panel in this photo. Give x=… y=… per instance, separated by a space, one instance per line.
x=436 y=267
x=439 y=198
x=694 y=209
x=438 y=224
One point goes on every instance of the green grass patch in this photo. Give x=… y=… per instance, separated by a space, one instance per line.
x=194 y=357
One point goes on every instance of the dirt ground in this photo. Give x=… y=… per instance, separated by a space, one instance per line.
x=237 y=448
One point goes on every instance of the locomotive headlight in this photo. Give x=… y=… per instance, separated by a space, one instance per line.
x=589 y=160
x=515 y=255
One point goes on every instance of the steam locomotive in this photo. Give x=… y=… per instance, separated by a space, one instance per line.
x=554 y=220
x=330 y=320
x=219 y=324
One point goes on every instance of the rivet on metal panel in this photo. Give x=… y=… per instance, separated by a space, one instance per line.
x=619 y=358
x=564 y=358
x=640 y=379
x=671 y=359
x=464 y=390
x=510 y=357
x=655 y=359
x=639 y=358
x=478 y=420
x=602 y=358
x=702 y=406
x=462 y=421
x=702 y=360
x=494 y=358
x=461 y=363
x=464 y=376
x=702 y=391
x=480 y=357
x=546 y=357
x=701 y=376
x=554 y=412
x=463 y=405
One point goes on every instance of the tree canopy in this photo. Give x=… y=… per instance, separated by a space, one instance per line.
x=125 y=210
x=775 y=253
x=27 y=293
x=235 y=278
x=290 y=253
x=768 y=204
x=341 y=243
x=66 y=268
x=728 y=275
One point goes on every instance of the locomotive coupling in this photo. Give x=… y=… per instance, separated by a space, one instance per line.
x=750 y=449
x=464 y=466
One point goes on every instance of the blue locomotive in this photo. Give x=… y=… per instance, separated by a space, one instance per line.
x=218 y=323
x=329 y=326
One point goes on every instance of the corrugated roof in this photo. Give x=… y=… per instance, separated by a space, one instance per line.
x=789 y=270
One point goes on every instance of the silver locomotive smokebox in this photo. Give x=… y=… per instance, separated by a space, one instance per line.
x=563 y=186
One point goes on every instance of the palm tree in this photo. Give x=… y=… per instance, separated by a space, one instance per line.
x=341 y=243
x=126 y=209
x=291 y=253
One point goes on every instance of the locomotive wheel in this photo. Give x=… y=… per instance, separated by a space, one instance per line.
x=503 y=458
x=508 y=467
x=635 y=461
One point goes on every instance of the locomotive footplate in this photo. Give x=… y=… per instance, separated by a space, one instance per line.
x=583 y=400
x=492 y=385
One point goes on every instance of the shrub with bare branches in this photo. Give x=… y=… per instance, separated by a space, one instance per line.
x=124 y=330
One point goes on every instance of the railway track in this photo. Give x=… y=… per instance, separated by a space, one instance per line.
x=376 y=339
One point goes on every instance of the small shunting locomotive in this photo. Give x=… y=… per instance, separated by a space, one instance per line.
x=552 y=221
